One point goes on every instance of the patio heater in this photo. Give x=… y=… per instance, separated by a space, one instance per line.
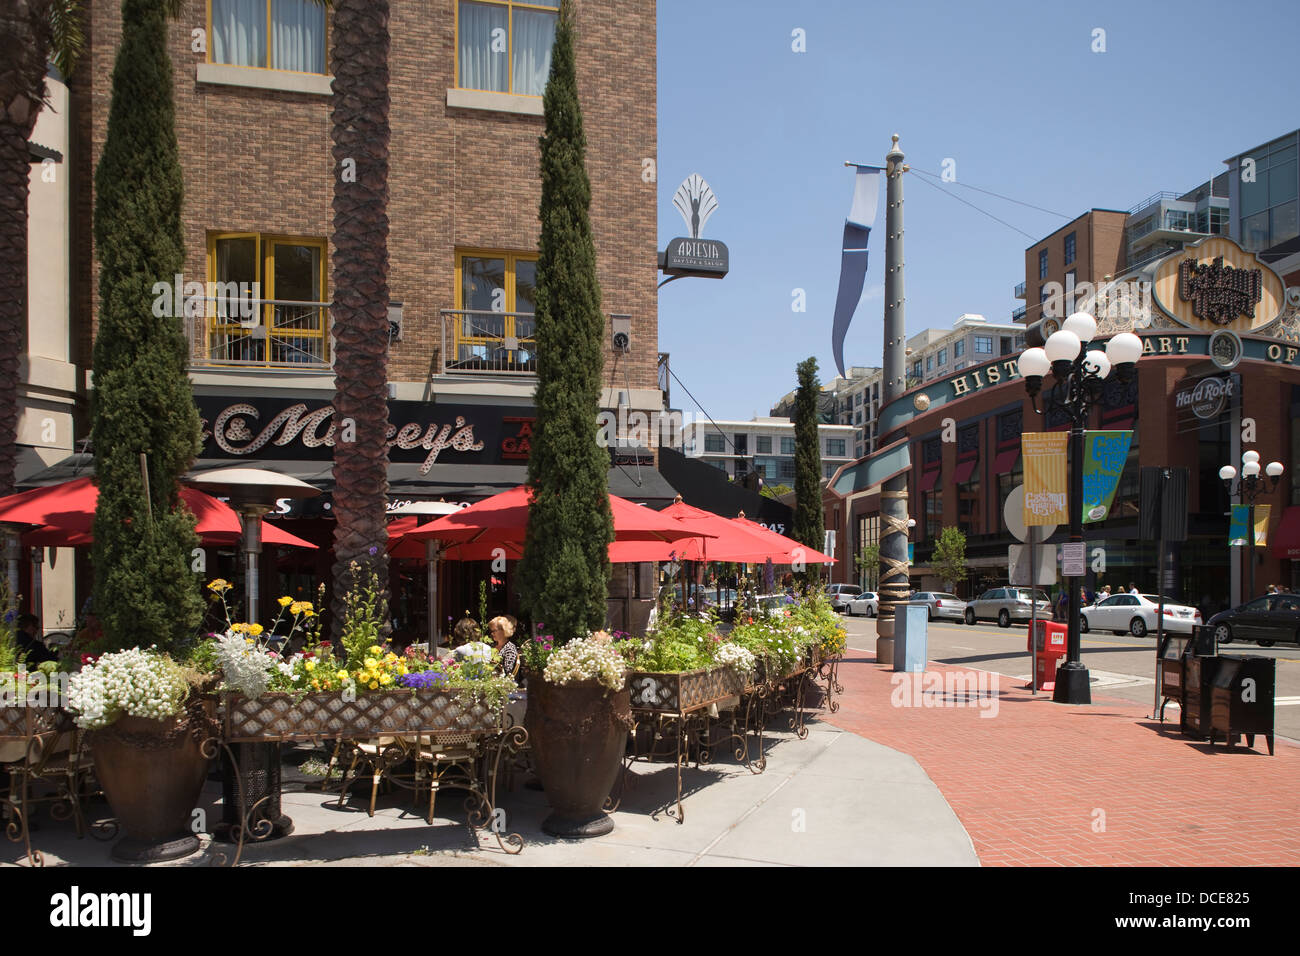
x=432 y=555
x=252 y=493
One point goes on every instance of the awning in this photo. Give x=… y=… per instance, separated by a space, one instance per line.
x=1286 y=540
x=964 y=470
x=1005 y=461
x=929 y=479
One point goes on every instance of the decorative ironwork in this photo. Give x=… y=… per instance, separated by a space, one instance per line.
x=312 y=717
x=968 y=439
x=1010 y=426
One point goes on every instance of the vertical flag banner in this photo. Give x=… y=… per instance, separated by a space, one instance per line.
x=853 y=258
x=1237 y=526
x=1261 y=524
x=1045 y=481
x=1104 y=455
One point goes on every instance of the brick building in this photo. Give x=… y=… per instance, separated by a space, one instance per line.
x=252 y=86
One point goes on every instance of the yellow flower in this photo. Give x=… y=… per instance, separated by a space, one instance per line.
x=374 y=685
x=309 y=665
x=375 y=650
x=220 y=584
x=315 y=685
x=386 y=679
x=249 y=640
x=309 y=613
x=255 y=630
x=342 y=675
x=295 y=607
x=286 y=601
x=369 y=663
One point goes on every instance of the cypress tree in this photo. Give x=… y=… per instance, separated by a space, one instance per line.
x=145 y=591
x=565 y=568
x=809 y=524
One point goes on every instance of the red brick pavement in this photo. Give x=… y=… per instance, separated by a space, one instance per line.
x=1043 y=783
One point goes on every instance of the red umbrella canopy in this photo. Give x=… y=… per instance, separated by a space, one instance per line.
x=66 y=513
x=726 y=540
x=474 y=533
x=781 y=549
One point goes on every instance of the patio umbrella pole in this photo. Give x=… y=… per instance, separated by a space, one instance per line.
x=13 y=552
x=250 y=516
x=431 y=572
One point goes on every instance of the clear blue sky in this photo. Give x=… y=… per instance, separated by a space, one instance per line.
x=1012 y=92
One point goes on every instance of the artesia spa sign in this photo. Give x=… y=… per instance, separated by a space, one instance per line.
x=417 y=431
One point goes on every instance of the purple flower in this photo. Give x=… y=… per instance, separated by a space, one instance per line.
x=374 y=550
x=423 y=680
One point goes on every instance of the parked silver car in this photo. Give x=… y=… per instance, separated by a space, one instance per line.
x=1005 y=605
x=941 y=604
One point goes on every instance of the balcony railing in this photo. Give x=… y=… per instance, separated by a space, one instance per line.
x=1020 y=291
x=479 y=340
x=278 y=333
x=1018 y=315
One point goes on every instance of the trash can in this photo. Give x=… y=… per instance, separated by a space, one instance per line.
x=1048 y=645
x=1199 y=674
x=911 y=623
x=1242 y=699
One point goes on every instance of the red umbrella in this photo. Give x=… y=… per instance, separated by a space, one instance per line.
x=781 y=549
x=499 y=522
x=726 y=542
x=66 y=512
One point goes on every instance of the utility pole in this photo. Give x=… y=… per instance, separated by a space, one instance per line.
x=894 y=587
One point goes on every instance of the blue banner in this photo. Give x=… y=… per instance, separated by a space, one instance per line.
x=1104 y=455
x=853 y=258
x=1240 y=522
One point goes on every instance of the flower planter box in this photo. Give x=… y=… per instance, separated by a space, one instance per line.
x=683 y=692
x=286 y=717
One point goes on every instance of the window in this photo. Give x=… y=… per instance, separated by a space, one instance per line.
x=916 y=370
x=296 y=28
x=503 y=46
x=787 y=446
x=1042 y=264
x=983 y=345
x=785 y=469
x=830 y=468
x=1070 y=250
x=286 y=279
x=835 y=447
x=929 y=363
x=943 y=357
x=764 y=444
x=715 y=443
x=495 y=300
x=933 y=514
x=959 y=348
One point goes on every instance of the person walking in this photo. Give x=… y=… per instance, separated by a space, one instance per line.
x=1132 y=587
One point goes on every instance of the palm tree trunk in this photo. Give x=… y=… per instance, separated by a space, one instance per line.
x=360 y=291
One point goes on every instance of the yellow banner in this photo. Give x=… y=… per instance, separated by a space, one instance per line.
x=1045 y=480
x=1261 y=525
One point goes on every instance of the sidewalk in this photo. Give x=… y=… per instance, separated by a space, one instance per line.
x=832 y=799
x=1043 y=783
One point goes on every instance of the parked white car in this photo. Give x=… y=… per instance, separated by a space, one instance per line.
x=1136 y=614
x=868 y=603
x=841 y=594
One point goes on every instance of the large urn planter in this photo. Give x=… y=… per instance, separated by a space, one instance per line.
x=578 y=733
x=152 y=772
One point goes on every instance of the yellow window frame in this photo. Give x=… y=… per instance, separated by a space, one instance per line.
x=265 y=259
x=511 y=259
x=510 y=6
x=269 y=66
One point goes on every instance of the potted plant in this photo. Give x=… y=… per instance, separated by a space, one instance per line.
x=578 y=718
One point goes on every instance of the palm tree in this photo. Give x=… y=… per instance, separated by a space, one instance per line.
x=360 y=291
x=31 y=32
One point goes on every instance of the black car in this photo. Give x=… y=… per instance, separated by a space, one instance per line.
x=1265 y=620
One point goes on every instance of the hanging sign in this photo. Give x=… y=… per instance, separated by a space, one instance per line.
x=1104 y=455
x=1261 y=525
x=1045 y=481
x=1237 y=526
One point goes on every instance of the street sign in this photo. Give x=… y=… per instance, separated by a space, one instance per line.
x=1021 y=574
x=1013 y=514
x=1073 y=559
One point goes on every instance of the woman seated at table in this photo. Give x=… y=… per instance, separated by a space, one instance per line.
x=502 y=630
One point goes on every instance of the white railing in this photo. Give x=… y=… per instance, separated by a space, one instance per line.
x=264 y=333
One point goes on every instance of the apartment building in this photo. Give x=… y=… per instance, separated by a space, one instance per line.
x=764 y=444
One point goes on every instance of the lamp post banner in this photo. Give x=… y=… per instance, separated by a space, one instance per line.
x=1261 y=525
x=1237 y=527
x=1046 y=492
x=1104 y=455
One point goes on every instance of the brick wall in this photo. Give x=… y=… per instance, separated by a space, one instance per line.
x=260 y=161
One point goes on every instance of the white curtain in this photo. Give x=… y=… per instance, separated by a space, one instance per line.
x=298 y=36
x=239 y=32
x=483 y=27
x=533 y=37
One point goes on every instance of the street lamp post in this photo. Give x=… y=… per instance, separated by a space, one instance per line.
x=1078 y=375
x=1249 y=486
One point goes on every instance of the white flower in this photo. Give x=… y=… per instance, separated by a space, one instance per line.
x=132 y=683
x=586 y=659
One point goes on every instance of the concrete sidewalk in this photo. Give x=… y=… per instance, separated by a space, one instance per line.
x=834 y=798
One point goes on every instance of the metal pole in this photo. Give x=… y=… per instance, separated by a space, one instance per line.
x=1033 y=608
x=893 y=495
x=1072 y=685
x=431 y=594
x=1250 y=549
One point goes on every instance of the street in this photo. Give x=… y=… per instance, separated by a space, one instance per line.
x=1121 y=667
